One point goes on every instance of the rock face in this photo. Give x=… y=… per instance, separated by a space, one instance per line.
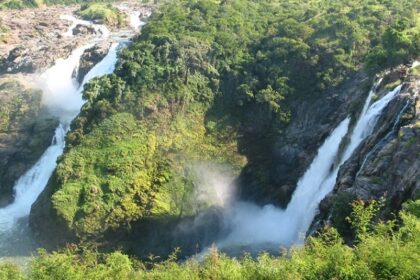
x=34 y=39
x=17 y=61
x=272 y=174
x=25 y=132
x=83 y=30
x=91 y=57
x=387 y=163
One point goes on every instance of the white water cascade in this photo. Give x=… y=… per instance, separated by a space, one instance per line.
x=135 y=21
x=62 y=95
x=271 y=227
x=102 y=29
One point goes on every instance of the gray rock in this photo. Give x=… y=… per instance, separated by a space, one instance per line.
x=90 y=58
x=387 y=163
x=272 y=173
x=81 y=29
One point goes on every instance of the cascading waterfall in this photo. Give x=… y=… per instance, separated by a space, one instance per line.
x=386 y=138
x=135 y=21
x=31 y=184
x=60 y=89
x=102 y=29
x=62 y=95
x=268 y=226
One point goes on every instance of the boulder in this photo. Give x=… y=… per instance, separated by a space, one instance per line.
x=82 y=29
x=90 y=58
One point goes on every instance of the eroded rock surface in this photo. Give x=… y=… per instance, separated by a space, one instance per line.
x=387 y=163
x=91 y=57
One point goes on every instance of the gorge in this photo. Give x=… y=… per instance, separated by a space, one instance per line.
x=62 y=95
x=217 y=138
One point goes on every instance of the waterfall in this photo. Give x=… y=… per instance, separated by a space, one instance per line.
x=60 y=90
x=102 y=29
x=271 y=225
x=385 y=139
x=30 y=185
x=253 y=225
x=135 y=21
x=59 y=84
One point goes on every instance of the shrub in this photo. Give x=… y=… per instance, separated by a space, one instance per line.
x=104 y=13
x=382 y=253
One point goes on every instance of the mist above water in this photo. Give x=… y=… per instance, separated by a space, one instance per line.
x=60 y=90
x=269 y=227
x=214 y=185
x=62 y=95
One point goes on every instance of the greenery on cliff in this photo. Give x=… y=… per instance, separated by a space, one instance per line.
x=380 y=252
x=102 y=12
x=202 y=81
x=19 y=105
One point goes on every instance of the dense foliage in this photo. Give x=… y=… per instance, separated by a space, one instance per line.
x=379 y=253
x=19 y=105
x=20 y=4
x=104 y=13
x=202 y=77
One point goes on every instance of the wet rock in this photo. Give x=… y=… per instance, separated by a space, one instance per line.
x=82 y=29
x=35 y=39
x=274 y=169
x=387 y=163
x=18 y=60
x=90 y=58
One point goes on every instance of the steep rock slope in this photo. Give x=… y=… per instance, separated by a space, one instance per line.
x=387 y=163
x=271 y=176
x=209 y=81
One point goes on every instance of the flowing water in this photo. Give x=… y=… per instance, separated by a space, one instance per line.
x=135 y=21
x=270 y=227
x=99 y=28
x=62 y=95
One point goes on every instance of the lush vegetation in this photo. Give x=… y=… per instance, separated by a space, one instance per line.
x=20 y=4
x=19 y=105
x=380 y=252
x=201 y=82
x=102 y=12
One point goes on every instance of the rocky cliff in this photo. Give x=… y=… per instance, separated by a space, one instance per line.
x=387 y=163
x=272 y=173
x=33 y=42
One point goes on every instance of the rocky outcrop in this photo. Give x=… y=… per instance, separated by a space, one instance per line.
x=91 y=57
x=81 y=29
x=387 y=163
x=35 y=39
x=274 y=169
x=25 y=132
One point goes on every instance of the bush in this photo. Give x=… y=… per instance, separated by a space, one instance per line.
x=382 y=253
x=104 y=13
x=340 y=210
x=9 y=271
